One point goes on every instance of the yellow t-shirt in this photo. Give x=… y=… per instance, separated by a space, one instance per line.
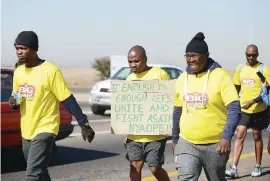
x=204 y=117
x=250 y=85
x=40 y=89
x=152 y=74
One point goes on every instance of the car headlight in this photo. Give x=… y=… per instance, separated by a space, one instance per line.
x=94 y=88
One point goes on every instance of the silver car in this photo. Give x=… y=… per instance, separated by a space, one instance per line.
x=100 y=97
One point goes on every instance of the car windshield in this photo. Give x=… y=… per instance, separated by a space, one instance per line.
x=122 y=74
x=6 y=85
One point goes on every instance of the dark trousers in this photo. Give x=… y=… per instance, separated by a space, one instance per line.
x=37 y=153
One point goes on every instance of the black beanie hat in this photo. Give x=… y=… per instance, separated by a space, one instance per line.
x=197 y=44
x=27 y=38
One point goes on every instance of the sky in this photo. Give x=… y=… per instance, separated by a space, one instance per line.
x=73 y=33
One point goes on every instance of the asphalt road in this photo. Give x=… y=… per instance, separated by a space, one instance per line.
x=80 y=90
x=101 y=160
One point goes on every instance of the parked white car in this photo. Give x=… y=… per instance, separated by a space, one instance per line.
x=100 y=97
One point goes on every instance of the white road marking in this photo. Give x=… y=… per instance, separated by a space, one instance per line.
x=87 y=112
x=75 y=123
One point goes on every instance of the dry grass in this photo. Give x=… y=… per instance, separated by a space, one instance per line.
x=80 y=77
x=85 y=78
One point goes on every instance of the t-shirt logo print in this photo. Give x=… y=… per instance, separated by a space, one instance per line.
x=27 y=91
x=197 y=100
x=248 y=82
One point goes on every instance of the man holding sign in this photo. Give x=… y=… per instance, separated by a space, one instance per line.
x=140 y=148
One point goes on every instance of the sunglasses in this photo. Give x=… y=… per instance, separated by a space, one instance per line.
x=251 y=55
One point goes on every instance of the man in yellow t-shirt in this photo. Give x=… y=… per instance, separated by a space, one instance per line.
x=149 y=149
x=38 y=87
x=207 y=106
x=254 y=114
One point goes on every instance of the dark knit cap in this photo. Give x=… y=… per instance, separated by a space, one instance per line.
x=197 y=44
x=27 y=38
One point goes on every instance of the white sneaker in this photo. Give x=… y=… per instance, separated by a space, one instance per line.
x=232 y=172
x=257 y=171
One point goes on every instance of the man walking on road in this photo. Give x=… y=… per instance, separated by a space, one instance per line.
x=207 y=108
x=38 y=87
x=149 y=149
x=254 y=114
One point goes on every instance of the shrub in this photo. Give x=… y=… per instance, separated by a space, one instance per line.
x=103 y=66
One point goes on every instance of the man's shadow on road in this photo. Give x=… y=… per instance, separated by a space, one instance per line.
x=66 y=155
x=12 y=160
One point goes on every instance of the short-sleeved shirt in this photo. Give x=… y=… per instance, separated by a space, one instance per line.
x=204 y=115
x=153 y=74
x=251 y=85
x=40 y=89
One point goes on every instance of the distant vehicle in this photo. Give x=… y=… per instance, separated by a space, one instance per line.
x=116 y=63
x=10 y=119
x=100 y=97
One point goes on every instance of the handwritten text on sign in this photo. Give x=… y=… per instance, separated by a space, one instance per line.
x=142 y=107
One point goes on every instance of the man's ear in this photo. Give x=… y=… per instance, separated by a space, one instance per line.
x=207 y=55
x=145 y=58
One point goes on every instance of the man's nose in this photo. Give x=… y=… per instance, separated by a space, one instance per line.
x=191 y=60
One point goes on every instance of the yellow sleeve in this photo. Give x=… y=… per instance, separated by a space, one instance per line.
x=266 y=74
x=227 y=89
x=236 y=77
x=178 y=99
x=59 y=86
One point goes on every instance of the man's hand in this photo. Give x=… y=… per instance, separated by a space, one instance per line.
x=12 y=103
x=87 y=132
x=248 y=104
x=168 y=136
x=264 y=84
x=173 y=147
x=125 y=141
x=223 y=146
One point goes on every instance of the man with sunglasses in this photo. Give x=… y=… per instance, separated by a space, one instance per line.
x=254 y=113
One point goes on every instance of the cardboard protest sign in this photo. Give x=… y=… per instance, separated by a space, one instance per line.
x=142 y=107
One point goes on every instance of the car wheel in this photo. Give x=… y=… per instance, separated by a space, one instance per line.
x=98 y=110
